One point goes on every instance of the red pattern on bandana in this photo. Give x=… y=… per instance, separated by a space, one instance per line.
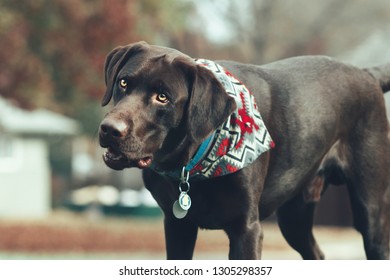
x=231 y=168
x=223 y=147
x=218 y=172
x=197 y=168
x=245 y=122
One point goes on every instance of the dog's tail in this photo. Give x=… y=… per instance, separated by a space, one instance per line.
x=382 y=74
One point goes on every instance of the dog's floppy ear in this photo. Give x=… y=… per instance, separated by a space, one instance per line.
x=114 y=62
x=209 y=105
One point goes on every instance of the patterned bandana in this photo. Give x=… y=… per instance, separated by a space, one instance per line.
x=240 y=140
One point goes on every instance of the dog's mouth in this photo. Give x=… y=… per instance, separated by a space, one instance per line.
x=118 y=160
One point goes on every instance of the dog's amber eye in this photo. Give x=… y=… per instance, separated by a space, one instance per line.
x=162 y=98
x=123 y=83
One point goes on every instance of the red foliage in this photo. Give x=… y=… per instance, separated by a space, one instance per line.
x=53 y=51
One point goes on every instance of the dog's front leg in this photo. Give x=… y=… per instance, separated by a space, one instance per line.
x=245 y=241
x=180 y=238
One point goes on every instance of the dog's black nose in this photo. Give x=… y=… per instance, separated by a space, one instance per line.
x=114 y=128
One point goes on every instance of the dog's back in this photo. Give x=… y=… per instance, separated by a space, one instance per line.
x=329 y=123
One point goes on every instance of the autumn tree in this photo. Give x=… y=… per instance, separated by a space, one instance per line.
x=52 y=51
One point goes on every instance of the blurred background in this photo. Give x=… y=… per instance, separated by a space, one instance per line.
x=57 y=198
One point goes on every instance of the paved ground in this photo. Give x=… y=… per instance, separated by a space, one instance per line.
x=68 y=236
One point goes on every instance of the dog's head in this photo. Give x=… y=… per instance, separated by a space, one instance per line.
x=164 y=106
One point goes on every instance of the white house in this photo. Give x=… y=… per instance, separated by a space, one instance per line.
x=25 y=174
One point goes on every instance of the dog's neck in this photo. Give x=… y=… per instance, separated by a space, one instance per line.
x=176 y=152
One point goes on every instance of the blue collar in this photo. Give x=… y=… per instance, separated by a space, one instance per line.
x=199 y=155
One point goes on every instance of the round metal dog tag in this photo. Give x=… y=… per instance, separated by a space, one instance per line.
x=178 y=212
x=185 y=201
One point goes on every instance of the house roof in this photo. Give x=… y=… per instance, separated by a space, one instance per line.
x=18 y=121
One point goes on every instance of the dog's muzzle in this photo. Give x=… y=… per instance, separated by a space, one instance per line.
x=112 y=135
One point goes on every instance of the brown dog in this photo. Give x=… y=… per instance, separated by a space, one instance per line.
x=327 y=120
